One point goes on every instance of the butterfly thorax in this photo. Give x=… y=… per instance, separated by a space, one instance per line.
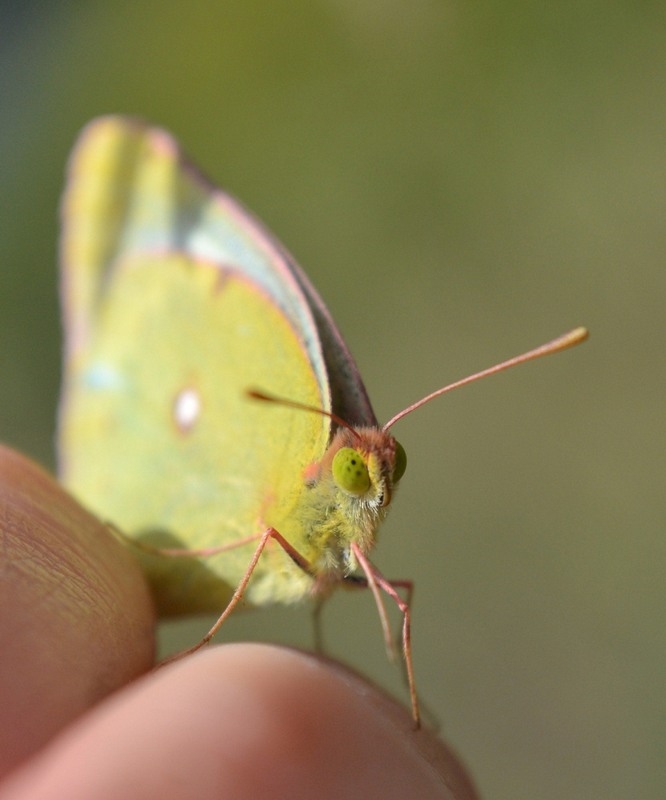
x=348 y=495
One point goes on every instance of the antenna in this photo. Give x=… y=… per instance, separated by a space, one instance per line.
x=570 y=339
x=258 y=394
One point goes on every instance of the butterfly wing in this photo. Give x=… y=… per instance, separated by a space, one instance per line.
x=175 y=302
x=131 y=189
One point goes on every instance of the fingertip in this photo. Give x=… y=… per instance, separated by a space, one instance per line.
x=76 y=620
x=248 y=721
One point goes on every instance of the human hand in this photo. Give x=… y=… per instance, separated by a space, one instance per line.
x=84 y=717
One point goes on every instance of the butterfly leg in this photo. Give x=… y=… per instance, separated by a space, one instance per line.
x=376 y=581
x=370 y=582
x=269 y=533
x=176 y=552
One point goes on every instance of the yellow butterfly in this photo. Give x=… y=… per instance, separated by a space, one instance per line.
x=176 y=303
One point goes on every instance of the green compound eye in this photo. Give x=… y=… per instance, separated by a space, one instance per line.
x=400 y=464
x=350 y=471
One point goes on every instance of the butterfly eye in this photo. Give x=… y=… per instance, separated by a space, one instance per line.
x=400 y=463
x=350 y=471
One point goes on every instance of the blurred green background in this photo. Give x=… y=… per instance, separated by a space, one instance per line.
x=462 y=181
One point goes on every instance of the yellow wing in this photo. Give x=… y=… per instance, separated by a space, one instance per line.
x=156 y=434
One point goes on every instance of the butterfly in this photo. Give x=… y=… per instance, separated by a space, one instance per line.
x=210 y=407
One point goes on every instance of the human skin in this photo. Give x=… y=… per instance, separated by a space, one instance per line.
x=85 y=716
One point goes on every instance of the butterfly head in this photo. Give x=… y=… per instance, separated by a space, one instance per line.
x=365 y=463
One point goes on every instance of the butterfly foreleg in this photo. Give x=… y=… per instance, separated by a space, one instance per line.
x=376 y=582
x=263 y=539
x=178 y=552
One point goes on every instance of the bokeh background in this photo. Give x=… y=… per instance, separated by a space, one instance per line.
x=462 y=181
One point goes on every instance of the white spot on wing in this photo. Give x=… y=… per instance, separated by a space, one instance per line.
x=187 y=409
